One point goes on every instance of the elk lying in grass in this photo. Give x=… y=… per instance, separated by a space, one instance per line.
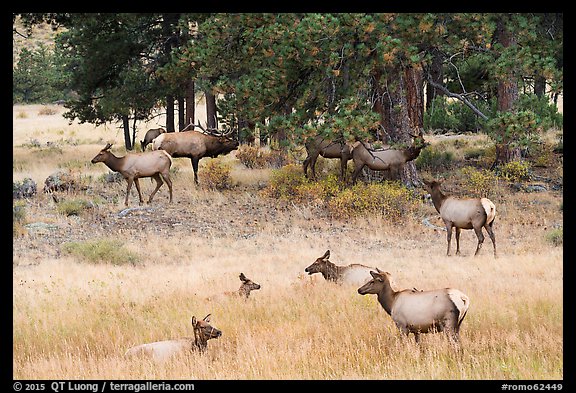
x=413 y=311
x=246 y=287
x=327 y=149
x=161 y=350
x=150 y=135
x=154 y=164
x=355 y=274
x=468 y=213
x=385 y=159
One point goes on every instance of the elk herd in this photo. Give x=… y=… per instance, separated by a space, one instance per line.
x=412 y=310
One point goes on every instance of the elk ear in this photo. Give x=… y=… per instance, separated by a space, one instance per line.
x=374 y=274
x=108 y=146
x=194 y=321
x=207 y=318
x=243 y=277
x=326 y=255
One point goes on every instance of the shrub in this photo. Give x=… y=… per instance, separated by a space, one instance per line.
x=64 y=180
x=319 y=192
x=547 y=115
x=18 y=218
x=434 y=160
x=111 y=177
x=47 y=111
x=447 y=114
x=515 y=171
x=24 y=189
x=101 y=251
x=555 y=237
x=389 y=199
x=256 y=158
x=439 y=116
x=251 y=157
x=18 y=211
x=216 y=175
x=479 y=182
x=284 y=182
x=73 y=207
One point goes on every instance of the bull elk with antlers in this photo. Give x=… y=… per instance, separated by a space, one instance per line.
x=195 y=145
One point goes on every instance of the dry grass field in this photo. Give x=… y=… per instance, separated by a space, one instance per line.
x=74 y=319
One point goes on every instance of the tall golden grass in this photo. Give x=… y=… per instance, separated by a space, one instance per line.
x=75 y=320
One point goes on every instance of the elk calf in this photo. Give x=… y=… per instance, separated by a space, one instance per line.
x=355 y=274
x=467 y=213
x=246 y=287
x=154 y=164
x=413 y=311
x=162 y=350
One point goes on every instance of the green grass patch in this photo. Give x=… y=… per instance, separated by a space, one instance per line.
x=101 y=251
x=74 y=207
x=555 y=237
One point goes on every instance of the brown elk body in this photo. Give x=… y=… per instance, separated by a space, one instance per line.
x=355 y=274
x=150 y=135
x=319 y=146
x=194 y=145
x=161 y=350
x=385 y=159
x=413 y=311
x=154 y=164
x=465 y=213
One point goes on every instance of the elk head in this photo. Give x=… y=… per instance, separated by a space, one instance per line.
x=319 y=265
x=203 y=329
x=101 y=156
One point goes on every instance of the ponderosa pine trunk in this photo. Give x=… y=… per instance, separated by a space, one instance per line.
x=399 y=100
x=210 y=110
x=507 y=91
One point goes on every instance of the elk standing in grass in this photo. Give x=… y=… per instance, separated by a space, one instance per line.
x=150 y=135
x=154 y=164
x=194 y=145
x=327 y=149
x=413 y=311
x=355 y=273
x=386 y=159
x=161 y=350
x=468 y=213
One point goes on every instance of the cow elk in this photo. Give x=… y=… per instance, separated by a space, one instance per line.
x=154 y=164
x=162 y=350
x=465 y=213
x=194 y=145
x=384 y=159
x=150 y=135
x=320 y=146
x=414 y=311
x=354 y=274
